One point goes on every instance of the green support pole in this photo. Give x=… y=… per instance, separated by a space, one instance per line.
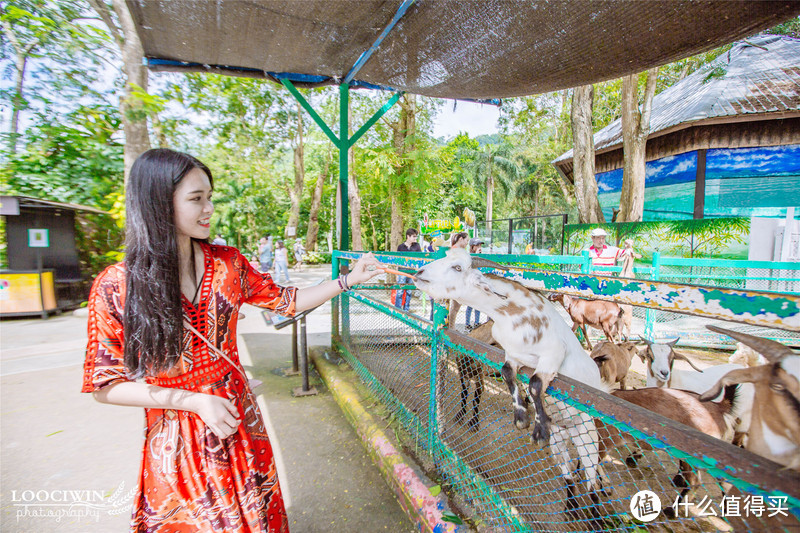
x=650 y=314
x=336 y=301
x=344 y=152
x=586 y=268
x=435 y=396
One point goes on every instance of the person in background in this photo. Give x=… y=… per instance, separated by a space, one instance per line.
x=162 y=336
x=601 y=253
x=627 y=257
x=299 y=252
x=474 y=248
x=281 y=261
x=265 y=254
x=459 y=240
x=219 y=240
x=529 y=248
x=402 y=298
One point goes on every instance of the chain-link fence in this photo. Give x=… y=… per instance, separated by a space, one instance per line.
x=445 y=391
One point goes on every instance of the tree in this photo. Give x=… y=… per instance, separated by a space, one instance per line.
x=50 y=33
x=589 y=210
x=316 y=202
x=296 y=191
x=635 y=130
x=134 y=119
x=403 y=133
x=490 y=166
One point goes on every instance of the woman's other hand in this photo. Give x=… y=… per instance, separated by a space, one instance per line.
x=219 y=414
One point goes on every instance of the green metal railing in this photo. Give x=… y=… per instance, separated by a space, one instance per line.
x=493 y=471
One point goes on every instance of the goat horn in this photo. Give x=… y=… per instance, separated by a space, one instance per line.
x=647 y=342
x=480 y=262
x=681 y=356
x=772 y=350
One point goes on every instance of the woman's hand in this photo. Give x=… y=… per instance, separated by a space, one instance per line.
x=366 y=268
x=219 y=414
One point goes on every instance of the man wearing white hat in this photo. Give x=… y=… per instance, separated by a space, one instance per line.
x=601 y=253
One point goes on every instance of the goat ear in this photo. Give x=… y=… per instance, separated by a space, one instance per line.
x=683 y=357
x=740 y=375
x=482 y=283
x=673 y=343
x=642 y=355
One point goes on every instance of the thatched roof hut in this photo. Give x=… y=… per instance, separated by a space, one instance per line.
x=737 y=117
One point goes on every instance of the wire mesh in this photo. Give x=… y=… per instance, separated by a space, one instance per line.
x=452 y=401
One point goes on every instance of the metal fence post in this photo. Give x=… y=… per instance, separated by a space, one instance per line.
x=510 y=233
x=650 y=314
x=439 y=318
x=586 y=266
x=336 y=300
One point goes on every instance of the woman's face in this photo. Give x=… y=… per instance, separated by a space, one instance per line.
x=192 y=205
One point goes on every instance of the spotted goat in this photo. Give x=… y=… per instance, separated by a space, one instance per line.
x=535 y=336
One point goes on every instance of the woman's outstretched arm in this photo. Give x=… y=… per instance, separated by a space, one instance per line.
x=311 y=297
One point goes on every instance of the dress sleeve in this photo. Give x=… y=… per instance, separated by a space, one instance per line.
x=261 y=291
x=104 y=362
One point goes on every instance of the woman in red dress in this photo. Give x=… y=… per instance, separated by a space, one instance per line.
x=207 y=462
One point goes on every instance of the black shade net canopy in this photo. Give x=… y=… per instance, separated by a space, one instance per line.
x=462 y=49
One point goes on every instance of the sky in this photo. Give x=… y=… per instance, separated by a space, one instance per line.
x=474 y=119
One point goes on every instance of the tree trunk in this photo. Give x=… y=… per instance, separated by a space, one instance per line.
x=296 y=192
x=17 y=99
x=316 y=202
x=397 y=224
x=402 y=129
x=21 y=54
x=583 y=156
x=134 y=123
x=635 y=130
x=354 y=195
x=490 y=193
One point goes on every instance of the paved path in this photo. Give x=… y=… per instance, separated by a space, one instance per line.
x=59 y=445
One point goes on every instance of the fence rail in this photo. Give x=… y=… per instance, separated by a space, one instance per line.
x=429 y=378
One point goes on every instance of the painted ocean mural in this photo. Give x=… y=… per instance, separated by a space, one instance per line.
x=739 y=182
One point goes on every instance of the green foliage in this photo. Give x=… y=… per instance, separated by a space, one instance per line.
x=317 y=258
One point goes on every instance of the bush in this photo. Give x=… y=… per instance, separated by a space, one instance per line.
x=316 y=258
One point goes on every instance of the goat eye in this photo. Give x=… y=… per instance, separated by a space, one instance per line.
x=777 y=387
x=457 y=268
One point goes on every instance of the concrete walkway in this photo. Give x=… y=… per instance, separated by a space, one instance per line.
x=59 y=446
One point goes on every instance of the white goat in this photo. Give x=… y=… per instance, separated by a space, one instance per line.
x=746 y=356
x=659 y=359
x=533 y=335
x=775 y=426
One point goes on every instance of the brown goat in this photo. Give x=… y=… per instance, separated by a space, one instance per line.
x=614 y=360
x=599 y=314
x=775 y=424
x=712 y=418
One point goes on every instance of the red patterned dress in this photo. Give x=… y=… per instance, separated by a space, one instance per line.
x=191 y=480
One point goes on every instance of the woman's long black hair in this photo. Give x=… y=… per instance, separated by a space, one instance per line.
x=153 y=316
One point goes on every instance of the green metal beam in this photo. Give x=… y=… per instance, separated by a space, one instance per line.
x=378 y=114
x=343 y=143
x=310 y=110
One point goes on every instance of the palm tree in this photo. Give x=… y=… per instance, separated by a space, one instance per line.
x=491 y=165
